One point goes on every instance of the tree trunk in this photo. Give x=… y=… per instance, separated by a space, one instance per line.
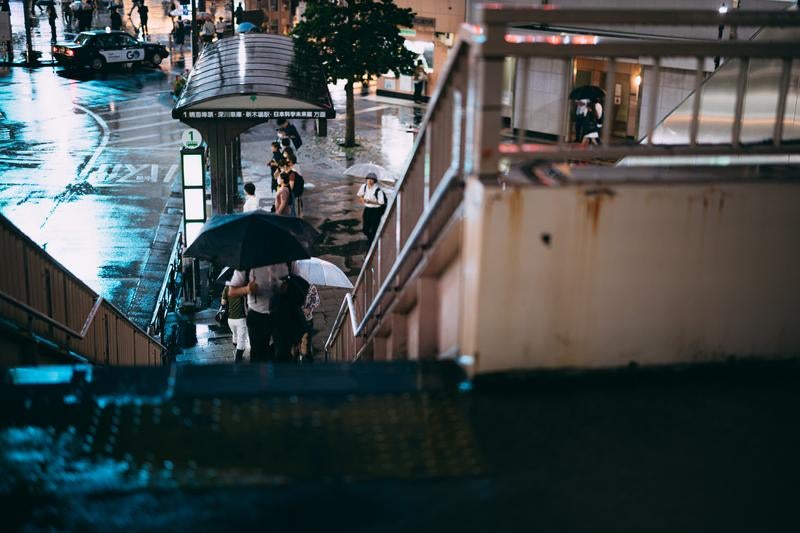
x=350 y=121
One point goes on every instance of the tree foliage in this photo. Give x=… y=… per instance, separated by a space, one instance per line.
x=356 y=39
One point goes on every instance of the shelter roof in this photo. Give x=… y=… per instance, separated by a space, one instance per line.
x=254 y=76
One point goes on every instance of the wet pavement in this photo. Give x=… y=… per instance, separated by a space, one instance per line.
x=385 y=133
x=89 y=169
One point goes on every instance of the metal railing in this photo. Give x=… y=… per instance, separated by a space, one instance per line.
x=168 y=294
x=461 y=133
x=426 y=196
x=41 y=300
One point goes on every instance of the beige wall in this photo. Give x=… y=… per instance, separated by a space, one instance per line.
x=653 y=274
x=448 y=15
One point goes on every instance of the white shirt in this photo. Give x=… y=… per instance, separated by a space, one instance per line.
x=267 y=278
x=220 y=26
x=250 y=204
x=371 y=194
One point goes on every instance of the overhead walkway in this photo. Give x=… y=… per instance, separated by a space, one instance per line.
x=491 y=256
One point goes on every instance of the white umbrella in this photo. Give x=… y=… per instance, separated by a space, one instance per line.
x=176 y=13
x=320 y=272
x=360 y=170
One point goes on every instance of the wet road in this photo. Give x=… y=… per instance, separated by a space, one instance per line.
x=88 y=164
x=86 y=169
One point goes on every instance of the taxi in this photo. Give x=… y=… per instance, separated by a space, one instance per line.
x=97 y=48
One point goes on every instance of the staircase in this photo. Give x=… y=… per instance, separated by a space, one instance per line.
x=48 y=316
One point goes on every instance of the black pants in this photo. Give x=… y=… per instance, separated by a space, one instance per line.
x=259 y=329
x=371 y=221
x=418 y=86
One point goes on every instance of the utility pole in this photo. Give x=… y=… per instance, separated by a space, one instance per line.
x=194 y=32
x=26 y=7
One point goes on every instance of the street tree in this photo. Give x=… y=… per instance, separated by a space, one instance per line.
x=355 y=40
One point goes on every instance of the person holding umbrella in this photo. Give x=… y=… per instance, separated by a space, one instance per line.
x=374 y=201
x=258 y=245
x=588 y=112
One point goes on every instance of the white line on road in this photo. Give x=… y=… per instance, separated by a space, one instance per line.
x=103 y=142
x=145 y=126
x=162 y=113
x=117 y=142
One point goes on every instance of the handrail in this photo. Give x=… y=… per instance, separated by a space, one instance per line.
x=412 y=212
x=454 y=57
x=78 y=335
x=448 y=180
x=57 y=305
x=157 y=320
x=434 y=100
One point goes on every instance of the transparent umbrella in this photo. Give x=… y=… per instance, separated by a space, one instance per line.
x=360 y=170
x=321 y=272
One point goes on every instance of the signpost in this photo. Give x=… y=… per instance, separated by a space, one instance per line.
x=191 y=139
x=194 y=209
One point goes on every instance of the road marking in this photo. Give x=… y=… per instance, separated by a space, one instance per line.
x=144 y=126
x=103 y=142
x=147 y=172
x=139 y=117
x=128 y=109
x=116 y=142
x=367 y=110
x=89 y=165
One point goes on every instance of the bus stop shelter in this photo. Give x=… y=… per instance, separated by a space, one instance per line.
x=240 y=82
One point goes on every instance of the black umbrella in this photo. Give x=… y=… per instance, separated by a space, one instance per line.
x=253 y=239
x=587 y=92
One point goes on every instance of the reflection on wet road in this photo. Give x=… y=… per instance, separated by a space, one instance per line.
x=78 y=180
x=88 y=165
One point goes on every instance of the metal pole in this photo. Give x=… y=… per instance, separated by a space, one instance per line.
x=26 y=7
x=194 y=32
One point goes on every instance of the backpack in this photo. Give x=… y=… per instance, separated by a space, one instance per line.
x=382 y=208
x=299 y=185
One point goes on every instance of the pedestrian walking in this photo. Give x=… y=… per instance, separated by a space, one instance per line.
x=305 y=349
x=237 y=322
x=420 y=78
x=374 y=201
x=207 y=32
x=250 y=199
x=66 y=14
x=259 y=284
x=143 y=17
x=289 y=322
x=238 y=14
x=219 y=27
x=179 y=34
x=581 y=108
x=116 y=19
x=290 y=131
x=283 y=198
x=51 y=19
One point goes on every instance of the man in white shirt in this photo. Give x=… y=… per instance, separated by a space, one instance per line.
x=258 y=284
x=250 y=199
x=374 y=201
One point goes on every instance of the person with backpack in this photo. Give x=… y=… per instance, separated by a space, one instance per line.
x=374 y=201
x=288 y=130
x=296 y=183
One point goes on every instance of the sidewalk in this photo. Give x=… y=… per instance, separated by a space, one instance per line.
x=384 y=130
